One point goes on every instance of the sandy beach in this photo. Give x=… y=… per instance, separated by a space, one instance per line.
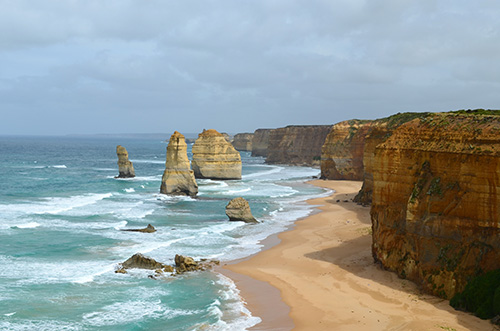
x=324 y=272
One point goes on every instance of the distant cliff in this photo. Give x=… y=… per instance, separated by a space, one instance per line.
x=297 y=145
x=260 y=142
x=243 y=142
x=436 y=199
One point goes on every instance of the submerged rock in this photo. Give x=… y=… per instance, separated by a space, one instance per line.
x=139 y=261
x=215 y=158
x=238 y=209
x=148 y=229
x=125 y=167
x=178 y=178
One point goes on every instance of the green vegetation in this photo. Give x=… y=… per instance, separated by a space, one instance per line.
x=479 y=111
x=481 y=296
x=398 y=119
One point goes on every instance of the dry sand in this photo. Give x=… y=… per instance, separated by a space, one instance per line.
x=325 y=273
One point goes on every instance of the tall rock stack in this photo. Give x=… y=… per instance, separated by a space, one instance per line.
x=214 y=157
x=125 y=167
x=178 y=178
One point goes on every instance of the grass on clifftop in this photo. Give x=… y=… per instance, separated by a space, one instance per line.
x=481 y=296
x=489 y=112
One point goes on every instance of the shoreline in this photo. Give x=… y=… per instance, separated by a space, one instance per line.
x=319 y=275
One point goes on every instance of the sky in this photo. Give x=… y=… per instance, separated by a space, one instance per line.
x=154 y=66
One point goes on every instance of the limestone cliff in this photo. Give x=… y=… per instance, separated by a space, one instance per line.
x=260 y=142
x=297 y=144
x=178 y=178
x=214 y=157
x=243 y=142
x=436 y=200
x=342 y=152
x=125 y=167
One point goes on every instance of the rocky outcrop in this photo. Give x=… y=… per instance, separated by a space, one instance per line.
x=178 y=178
x=342 y=152
x=182 y=264
x=125 y=167
x=148 y=229
x=297 y=145
x=238 y=210
x=214 y=157
x=260 y=142
x=436 y=200
x=139 y=261
x=243 y=142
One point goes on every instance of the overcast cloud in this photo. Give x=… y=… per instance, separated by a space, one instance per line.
x=94 y=66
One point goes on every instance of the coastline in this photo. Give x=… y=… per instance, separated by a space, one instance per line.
x=323 y=269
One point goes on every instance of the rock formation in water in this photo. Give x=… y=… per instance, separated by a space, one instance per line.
x=260 y=142
x=297 y=144
x=214 y=157
x=148 y=229
x=238 y=210
x=178 y=178
x=243 y=142
x=139 y=261
x=436 y=200
x=125 y=167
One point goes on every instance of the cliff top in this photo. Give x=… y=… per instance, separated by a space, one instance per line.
x=470 y=132
x=210 y=133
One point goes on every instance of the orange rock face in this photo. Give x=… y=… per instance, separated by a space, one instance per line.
x=436 y=200
x=296 y=144
x=342 y=152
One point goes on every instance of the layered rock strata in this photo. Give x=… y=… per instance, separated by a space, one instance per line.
x=125 y=167
x=238 y=210
x=436 y=200
x=343 y=150
x=297 y=144
x=243 y=142
x=178 y=178
x=214 y=157
x=260 y=142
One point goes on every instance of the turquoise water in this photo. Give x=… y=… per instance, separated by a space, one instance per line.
x=61 y=210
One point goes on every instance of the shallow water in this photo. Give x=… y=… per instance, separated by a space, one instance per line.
x=61 y=210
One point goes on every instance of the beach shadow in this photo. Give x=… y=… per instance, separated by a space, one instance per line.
x=355 y=257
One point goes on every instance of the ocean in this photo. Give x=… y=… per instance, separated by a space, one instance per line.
x=61 y=211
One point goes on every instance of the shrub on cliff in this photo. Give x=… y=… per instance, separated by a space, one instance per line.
x=481 y=296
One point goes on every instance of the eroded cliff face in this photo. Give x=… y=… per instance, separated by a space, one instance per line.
x=260 y=142
x=243 y=142
x=436 y=200
x=178 y=178
x=214 y=157
x=297 y=145
x=342 y=152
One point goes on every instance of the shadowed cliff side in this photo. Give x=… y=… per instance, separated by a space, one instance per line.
x=260 y=142
x=297 y=145
x=243 y=142
x=436 y=200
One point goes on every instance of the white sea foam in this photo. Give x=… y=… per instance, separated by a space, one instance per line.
x=61 y=166
x=91 y=277
x=29 y=225
x=132 y=311
x=265 y=174
x=129 y=190
x=9 y=314
x=52 y=205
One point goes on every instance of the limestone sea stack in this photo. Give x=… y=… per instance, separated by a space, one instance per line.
x=243 y=142
x=125 y=167
x=238 y=209
x=178 y=178
x=214 y=157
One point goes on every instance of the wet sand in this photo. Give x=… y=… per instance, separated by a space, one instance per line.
x=324 y=272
